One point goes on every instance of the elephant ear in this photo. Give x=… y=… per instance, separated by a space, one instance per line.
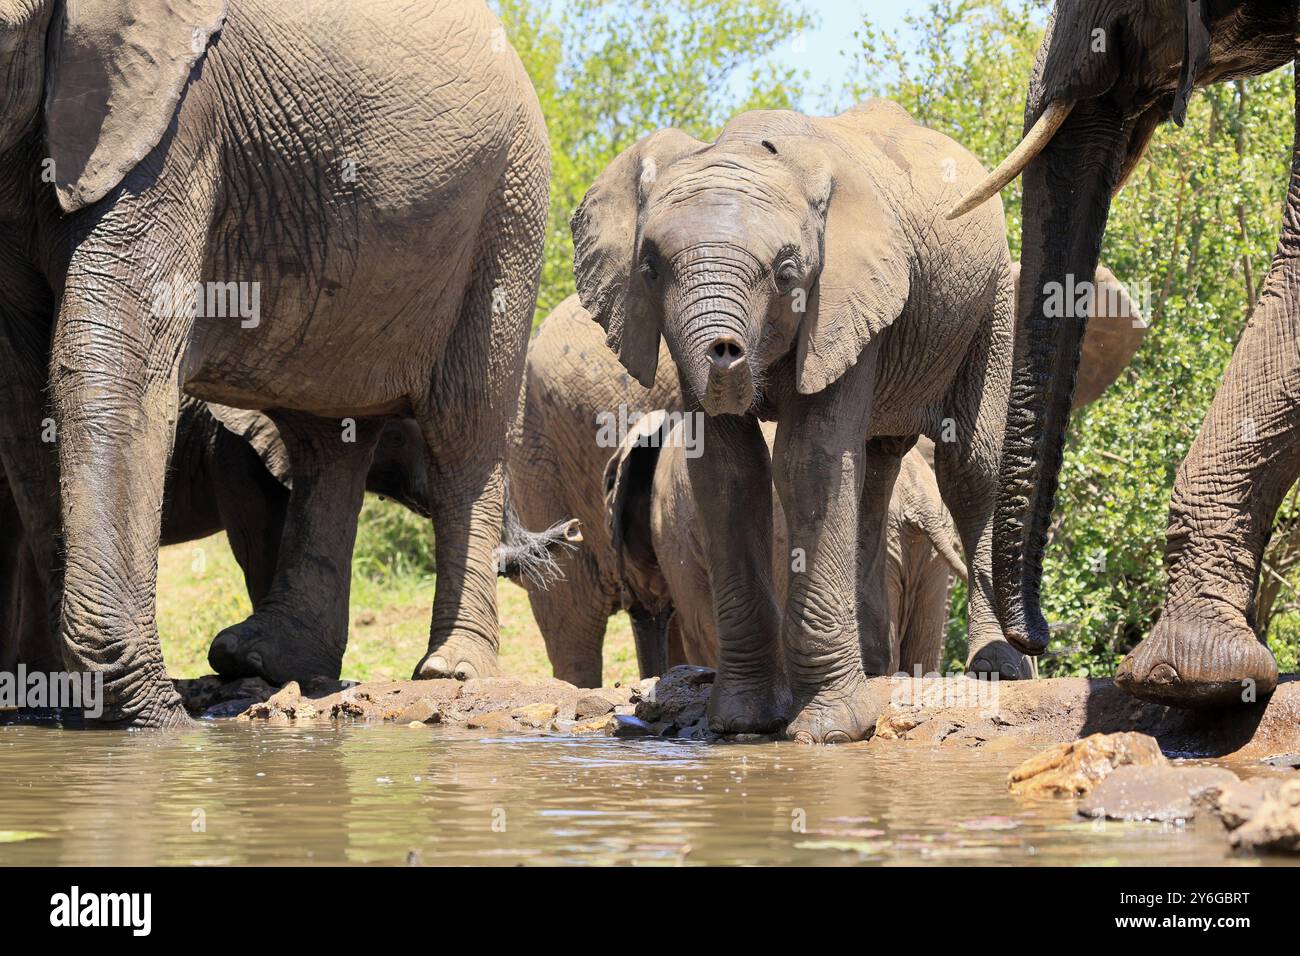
x=116 y=72
x=629 y=477
x=605 y=229
x=1196 y=51
x=260 y=432
x=1116 y=329
x=865 y=275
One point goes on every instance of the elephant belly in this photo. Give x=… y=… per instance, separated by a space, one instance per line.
x=331 y=341
x=350 y=223
x=918 y=364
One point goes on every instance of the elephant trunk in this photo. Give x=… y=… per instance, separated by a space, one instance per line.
x=1067 y=192
x=711 y=331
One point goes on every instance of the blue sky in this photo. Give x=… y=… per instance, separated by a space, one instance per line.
x=839 y=18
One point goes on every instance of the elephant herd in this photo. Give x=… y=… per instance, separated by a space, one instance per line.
x=801 y=382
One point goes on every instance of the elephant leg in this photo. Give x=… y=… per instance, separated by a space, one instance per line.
x=650 y=631
x=966 y=468
x=822 y=466
x=300 y=630
x=572 y=615
x=877 y=632
x=467 y=419
x=732 y=485
x=253 y=506
x=28 y=452
x=925 y=619
x=1204 y=651
x=114 y=384
x=11 y=551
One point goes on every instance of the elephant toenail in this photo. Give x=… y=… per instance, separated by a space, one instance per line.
x=255 y=660
x=803 y=737
x=837 y=737
x=1162 y=674
x=438 y=665
x=465 y=671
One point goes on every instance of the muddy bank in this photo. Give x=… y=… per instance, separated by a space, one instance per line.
x=929 y=713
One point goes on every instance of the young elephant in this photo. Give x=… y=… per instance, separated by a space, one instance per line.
x=801 y=271
x=655 y=526
x=576 y=390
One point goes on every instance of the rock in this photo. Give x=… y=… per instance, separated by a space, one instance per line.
x=1275 y=824
x=1075 y=767
x=538 y=716
x=597 y=725
x=592 y=705
x=896 y=726
x=1160 y=793
x=621 y=726
x=495 y=720
x=1291 y=761
x=202 y=694
x=321 y=686
x=679 y=699
x=284 y=705
x=1238 y=802
x=422 y=711
x=228 y=708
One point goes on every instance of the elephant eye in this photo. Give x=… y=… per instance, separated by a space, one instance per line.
x=649 y=267
x=788 y=274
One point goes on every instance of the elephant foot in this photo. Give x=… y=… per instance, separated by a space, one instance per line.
x=459 y=657
x=999 y=657
x=274 y=648
x=836 y=715
x=747 y=706
x=1197 y=663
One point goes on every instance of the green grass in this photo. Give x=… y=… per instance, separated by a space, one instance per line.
x=201 y=591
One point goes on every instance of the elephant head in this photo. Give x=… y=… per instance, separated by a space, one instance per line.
x=110 y=73
x=1107 y=74
x=727 y=251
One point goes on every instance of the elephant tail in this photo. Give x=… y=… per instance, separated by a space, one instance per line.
x=529 y=556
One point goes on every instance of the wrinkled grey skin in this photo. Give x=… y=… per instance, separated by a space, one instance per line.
x=555 y=473
x=655 y=525
x=218 y=480
x=572 y=378
x=801 y=271
x=382 y=174
x=1203 y=650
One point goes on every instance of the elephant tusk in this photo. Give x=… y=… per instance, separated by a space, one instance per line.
x=1034 y=142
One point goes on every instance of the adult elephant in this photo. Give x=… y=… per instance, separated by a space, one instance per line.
x=369 y=182
x=228 y=472
x=1106 y=76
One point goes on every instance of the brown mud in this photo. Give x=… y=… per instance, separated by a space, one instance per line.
x=946 y=713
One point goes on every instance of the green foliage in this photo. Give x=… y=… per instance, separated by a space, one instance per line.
x=391 y=542
x=1192 y=236
x=609 y=72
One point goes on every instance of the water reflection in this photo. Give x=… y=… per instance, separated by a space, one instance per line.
x=249 y=794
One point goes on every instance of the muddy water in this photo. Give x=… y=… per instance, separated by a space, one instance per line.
x=240 y=794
